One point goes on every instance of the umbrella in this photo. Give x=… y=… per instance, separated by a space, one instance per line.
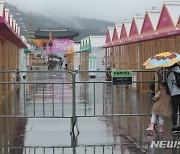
x=165 y=59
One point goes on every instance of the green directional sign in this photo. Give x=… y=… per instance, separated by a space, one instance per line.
x=121 y=77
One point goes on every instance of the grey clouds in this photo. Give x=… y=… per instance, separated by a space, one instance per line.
x=110 y=10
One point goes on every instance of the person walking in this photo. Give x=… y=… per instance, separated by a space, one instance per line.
x=174 y=88
x=161 y=107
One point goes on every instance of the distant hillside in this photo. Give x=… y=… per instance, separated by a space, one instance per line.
x=84 y=26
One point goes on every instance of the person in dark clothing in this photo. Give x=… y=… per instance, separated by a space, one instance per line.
x=175 y=95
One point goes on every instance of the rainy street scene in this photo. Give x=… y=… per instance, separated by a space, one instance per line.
x=89 y=77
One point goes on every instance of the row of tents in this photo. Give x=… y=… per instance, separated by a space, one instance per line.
x=129 y=44
x=155 y=23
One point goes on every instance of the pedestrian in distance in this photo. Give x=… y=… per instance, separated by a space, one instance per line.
x=161 y=107
x=60 y=62
x=108 y=74
x=173 y=80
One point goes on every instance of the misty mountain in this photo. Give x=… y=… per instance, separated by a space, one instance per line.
x=84 y=26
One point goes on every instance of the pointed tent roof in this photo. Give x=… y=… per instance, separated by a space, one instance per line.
x=116 y=33
x=169 y=15
x=125 y=29
x=81 y=45
x=85 y=45
x=174 y=9
x=88 y=44
x=109 y=34
x=178 y=23
x=136 y=25
x=2 y=11
x=150 y=21
x=7 y=15
x=8 y=32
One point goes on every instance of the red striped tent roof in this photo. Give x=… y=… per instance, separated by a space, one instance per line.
x=150 y=21
x=116 y=33
x=109 y=35
x=125 y=29
x=169 y=16
x=136 y=25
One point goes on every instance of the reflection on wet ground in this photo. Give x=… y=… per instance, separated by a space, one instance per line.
x=99 y=131
x=118 y=134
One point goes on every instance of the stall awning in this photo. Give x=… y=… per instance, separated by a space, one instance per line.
x=26 y=50
x=86 y=50
x=8 y=33
x=156 y=35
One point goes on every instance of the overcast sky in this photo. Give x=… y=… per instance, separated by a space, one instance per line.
x=110 y=10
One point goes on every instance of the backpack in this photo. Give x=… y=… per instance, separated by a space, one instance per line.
x=177 y=78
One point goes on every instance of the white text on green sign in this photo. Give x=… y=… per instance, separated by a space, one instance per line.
x=121 y=73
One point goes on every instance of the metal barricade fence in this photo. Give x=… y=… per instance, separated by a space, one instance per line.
x=102 y=98
x=40 y=95
x=83 y=149
x=61 y=94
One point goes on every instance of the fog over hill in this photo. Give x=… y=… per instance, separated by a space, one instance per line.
x=84 y=26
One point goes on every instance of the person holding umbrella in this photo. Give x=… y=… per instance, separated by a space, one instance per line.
x=169 y=60
x=175 y=94
x=161 y=107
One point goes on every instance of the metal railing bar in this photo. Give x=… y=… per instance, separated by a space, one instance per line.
x=131 y=100
x=78 y=116
x=36 y=82
x=42 y=117
x=112 y=98
x=43 y=102
x=85 y=98
x=111 y=115
x=80 y=71
x=34 y=150
x=53 y=98
x=53 y=151
x=103 y=96
x=14 y=99
x=24 y=100
x=69 y=147
x=34 y=107
x=144 y=81
x=63 y=150
x=35 y=71
x=94 y=98
x=63 y=100
x=122 y=103
x=141 y=102
x=85 y=149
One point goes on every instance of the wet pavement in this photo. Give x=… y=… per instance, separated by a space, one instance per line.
x=98 y=131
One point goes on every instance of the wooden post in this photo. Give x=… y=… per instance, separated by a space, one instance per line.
x=177 y=44
x=1 y=50
x=105 y=58
x=6 y=66
x=112 y=58
x=119 y=57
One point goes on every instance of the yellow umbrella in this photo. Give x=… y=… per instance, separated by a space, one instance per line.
x=164 y=59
